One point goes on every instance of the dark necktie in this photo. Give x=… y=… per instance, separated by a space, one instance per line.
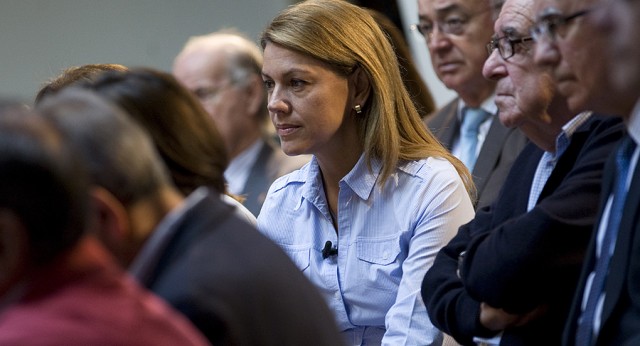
x=584 y=334
x=471 y=121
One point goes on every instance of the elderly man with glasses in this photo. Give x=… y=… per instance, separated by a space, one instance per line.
x=571 y=39
x=597 y=41
x=456 y=32
x=508 y=276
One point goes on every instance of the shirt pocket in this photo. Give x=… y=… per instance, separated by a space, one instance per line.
x=378 y=261
x=299 y=254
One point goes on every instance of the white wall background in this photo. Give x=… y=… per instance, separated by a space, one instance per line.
x=38 y=38
x=409 y=13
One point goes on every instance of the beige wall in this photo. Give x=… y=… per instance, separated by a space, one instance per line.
x=38 y=38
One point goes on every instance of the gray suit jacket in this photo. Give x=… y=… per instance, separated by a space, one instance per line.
x=500 y=148
x=271 y=164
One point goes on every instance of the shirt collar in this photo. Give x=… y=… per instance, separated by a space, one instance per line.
x=633 y=126
x=564 y=138
x=238 y=169
x=360 y=179
x=488 y=105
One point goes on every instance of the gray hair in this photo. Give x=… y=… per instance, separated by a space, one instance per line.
x=244 y=57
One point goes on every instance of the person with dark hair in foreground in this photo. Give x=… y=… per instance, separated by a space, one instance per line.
x=58 y=284
x=233 y=283
x=72 y=75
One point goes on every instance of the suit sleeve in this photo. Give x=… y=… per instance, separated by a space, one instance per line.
x=522 y=263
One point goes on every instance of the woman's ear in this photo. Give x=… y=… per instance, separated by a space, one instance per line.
x=256 y=95
x=109 y=221
x=362 y=87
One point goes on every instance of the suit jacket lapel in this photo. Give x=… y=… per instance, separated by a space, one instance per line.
x=445 y=124
x=589 y=259
x=624 y=245
x=258 y=181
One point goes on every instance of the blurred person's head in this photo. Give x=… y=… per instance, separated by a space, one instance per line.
x=456 y=32
x=222 y=70
x=43 y=196
x=73 y=75
x=572 y=40
x=132 y=190
x=186 y=138
x=624 y=69
x=525 y=93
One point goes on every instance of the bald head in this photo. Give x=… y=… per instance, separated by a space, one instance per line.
x=238 y=55
x=222 y=70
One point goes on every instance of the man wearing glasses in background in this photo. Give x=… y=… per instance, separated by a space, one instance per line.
x=222 y=69
x=606 y=309
x=456 y=32
x=508 y=276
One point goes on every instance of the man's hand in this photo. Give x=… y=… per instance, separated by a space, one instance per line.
x=498 y=319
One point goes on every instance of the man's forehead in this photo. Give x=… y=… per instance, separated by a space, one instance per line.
x=516 y=15
x=565 y=6
x=443 y=6
x=540 y=5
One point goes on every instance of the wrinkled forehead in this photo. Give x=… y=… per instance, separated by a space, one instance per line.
x=438 y=8
x=516 y=16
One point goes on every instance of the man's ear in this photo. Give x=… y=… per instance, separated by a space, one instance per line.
x=109 y=221
x=14 y=250
x=256 y=95
x=361 y=85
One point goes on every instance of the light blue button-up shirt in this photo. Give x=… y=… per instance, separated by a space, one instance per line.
x=387 y=239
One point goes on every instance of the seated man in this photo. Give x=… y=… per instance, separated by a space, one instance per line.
x=234 y=284
x=601 y=51
x=511 y=272
x=468 y=125
x=58 y=285
x=222 y=70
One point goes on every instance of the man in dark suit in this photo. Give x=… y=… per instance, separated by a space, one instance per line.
x=458 y=53
x=508 y=276
x=606 y=306
x=234 y=284
x=223 y=70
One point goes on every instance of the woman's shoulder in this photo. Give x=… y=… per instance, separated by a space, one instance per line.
x=430 y=168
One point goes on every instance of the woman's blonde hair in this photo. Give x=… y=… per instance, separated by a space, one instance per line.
x=346 y=37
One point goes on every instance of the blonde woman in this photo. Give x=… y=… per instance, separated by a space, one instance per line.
x=366 y=217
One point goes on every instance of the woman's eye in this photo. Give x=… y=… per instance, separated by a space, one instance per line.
x=296 y=83
x=268 y=84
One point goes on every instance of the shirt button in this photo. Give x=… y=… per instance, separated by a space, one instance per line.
x=385 y=255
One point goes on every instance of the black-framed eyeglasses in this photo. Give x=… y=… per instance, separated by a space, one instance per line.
x=506 y=46
x=551 y=23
